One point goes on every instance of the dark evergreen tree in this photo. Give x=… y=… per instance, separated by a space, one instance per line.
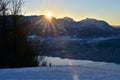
x=3 y=33
x=15 y=50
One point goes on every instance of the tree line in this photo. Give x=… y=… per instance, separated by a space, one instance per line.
x=15 y=49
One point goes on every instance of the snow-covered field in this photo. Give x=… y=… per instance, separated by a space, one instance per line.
x=59 y=73
x=84 y=70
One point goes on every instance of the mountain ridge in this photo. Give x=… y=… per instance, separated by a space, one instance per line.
x=88 y=27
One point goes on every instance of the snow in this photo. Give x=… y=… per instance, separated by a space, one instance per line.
x=69 y=38
x=68 y=19
x=87 y=63
x=87 y=40
x=98 y=23
x=59 y=73
x=87 y=70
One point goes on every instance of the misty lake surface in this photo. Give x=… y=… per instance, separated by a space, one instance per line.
x=56 y=61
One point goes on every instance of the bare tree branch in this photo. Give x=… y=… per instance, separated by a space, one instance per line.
x=4 y=6
x=16 y=6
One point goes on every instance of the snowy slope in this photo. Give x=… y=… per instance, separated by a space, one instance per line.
x=59 y=73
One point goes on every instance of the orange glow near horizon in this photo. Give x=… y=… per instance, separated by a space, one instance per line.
x=49 y=14
x=76 y=9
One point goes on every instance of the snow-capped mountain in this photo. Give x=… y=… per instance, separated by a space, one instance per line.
x=95 y=23
x=87 y=28
x=67 y=19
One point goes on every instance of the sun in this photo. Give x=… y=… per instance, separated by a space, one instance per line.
x=49 y=15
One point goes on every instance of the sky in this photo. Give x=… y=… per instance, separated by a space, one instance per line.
x=108 y=10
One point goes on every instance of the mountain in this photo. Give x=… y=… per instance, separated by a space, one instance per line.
x=88 y=39
x=87 y=28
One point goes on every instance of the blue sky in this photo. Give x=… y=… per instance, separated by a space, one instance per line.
x=108 y=10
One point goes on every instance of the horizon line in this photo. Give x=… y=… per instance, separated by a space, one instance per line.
x=76 y=20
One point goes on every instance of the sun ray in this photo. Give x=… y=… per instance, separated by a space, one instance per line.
x=54 y=27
